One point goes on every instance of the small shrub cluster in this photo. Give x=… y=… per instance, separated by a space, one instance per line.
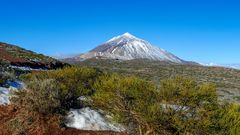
x=5 y=72
x=70 y=83
x=131 y=100
x=42 y=96
x=189 y=107
x=230 y=119
x=178 y=106
x=50 y=95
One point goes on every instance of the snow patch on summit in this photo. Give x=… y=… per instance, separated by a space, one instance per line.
x=125 y=35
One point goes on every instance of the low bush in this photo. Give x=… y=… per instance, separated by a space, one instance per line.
x=50 y=94
x=4 y=72
x=230 y=119
x=189 y=107
x=130 y=100
x=41 y=96
x=178 y=106
x=36 y=106
x=71 y=83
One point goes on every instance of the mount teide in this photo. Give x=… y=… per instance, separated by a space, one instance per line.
x=128 y=47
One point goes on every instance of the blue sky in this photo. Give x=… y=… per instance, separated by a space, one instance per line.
x=199 y=30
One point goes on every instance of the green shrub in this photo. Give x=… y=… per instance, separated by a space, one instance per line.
x=41 y=96
x=71 y=82
x=230 y=119
x=49 y=94
x=180 y=105
x=3 y=65
x=192 y=105
x=6 y=73
x=3 y=78
x=130 y=100
x=39 y=102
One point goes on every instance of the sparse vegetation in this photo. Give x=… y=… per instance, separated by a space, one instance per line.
x=23 y=53
x=42 y=96
x=50 y=95
x=132 y=101
x=18 y=56
x=179 y=105
x=70 y=83
x=226 y=80
x=230 y=117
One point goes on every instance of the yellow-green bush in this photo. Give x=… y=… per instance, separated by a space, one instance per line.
x=130 y=100
x=178 y=106
x=39 y=103
x=41 y=96
x=230 y=119
x=191 y=106
x=71 y=82
x=4 y=72
x=50 y=94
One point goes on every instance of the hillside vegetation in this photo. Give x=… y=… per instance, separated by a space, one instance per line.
x=18 y=56
x=179 y=105
x=227 y=81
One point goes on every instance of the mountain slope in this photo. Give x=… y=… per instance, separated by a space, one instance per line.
x=18 y=56
x=128 y=47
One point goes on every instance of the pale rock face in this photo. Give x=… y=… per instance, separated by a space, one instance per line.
x=89 y=119
x=129 y=47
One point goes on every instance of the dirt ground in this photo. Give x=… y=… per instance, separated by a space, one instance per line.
x=9 y=112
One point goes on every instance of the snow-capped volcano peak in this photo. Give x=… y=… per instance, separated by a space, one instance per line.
x=128 y=47
x=126 y=36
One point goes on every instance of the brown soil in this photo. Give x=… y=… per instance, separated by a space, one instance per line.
x=9 y=112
